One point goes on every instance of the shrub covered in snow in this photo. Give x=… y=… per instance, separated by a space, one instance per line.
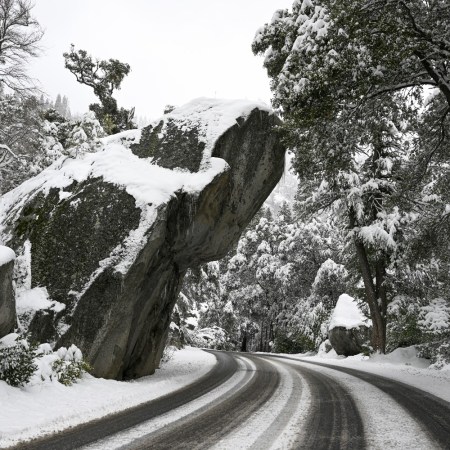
x=22 y=362
x=168 y=353
x=424 y=324
x=69 y=365
x=292 y=343
x=402 y=326
x=438 y=352
x=212 y=337
x=434 y=322
x=17 y=361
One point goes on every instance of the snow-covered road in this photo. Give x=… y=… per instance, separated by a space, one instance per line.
x=257 y=401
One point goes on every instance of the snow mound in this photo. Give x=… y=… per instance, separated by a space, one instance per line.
x=36 y=299
x=347 y=314
x=6 y=255
x=407 y=356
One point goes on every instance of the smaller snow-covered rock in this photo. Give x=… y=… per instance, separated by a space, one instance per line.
x=349 y=328
x=325 y=347
x=7 y=300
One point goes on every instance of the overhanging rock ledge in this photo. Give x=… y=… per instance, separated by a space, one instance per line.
x=109 y=236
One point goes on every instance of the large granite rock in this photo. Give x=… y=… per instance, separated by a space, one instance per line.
x=349 y=329
x=7 y=300
x=349 y=342
x=112 y=233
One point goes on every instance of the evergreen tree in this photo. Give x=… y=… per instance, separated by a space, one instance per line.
x=65 y=108
x=349 y=93
x=58 y=105
x=103 y=77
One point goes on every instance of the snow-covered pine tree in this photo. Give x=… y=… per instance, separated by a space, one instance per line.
x=349 y=93
x=58 y=105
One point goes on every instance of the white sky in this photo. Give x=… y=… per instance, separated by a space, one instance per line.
x=177 y=49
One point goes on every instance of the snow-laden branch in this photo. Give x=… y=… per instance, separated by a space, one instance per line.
x=6 y=155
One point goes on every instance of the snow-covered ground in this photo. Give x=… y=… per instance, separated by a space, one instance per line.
x=41 y=408
x=401 y=365
x=45 y=407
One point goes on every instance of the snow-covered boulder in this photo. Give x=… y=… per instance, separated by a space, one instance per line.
x=349 y=328
x=110 y=234
x=7 y=300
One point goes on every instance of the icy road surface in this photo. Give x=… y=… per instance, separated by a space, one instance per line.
x=255 y=401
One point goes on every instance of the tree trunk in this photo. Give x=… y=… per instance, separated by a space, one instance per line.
x=377 y=305
x=261 y=336
x=436 y=75
x=244 y=341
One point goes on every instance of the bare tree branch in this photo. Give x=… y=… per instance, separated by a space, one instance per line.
x=19 y=37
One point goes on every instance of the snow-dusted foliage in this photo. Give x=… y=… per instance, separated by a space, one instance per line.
x=71 y=137
x=20 y=132
x=203 y=317
x=22 y=363
x=33 y=137
x=402 y=327
x=421 y=322
x=212 y=337
x=275 y=291
x=68 y=365
x=370 y=138
x=17 y=361
x=434 y=322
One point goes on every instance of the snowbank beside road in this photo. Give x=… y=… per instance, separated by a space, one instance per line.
x=401 y=365
x=44 y=408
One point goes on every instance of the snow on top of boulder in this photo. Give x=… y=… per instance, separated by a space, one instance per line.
x=212 y=117
x=145 y=181
x=150 y=185
x=6 y=255
x=36 y=299
x=116 y=164
x=347 y=314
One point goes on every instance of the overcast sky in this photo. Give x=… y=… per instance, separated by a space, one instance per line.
x=177 y=49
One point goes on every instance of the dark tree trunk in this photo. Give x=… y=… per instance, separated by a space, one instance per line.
x=375 y=293
x=261 y=331
x=244 y=341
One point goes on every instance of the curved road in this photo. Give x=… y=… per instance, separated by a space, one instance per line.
x=267 y=401
x=430 y=411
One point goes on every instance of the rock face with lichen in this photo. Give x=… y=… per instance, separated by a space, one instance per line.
x=349 y=342
x=110 y=235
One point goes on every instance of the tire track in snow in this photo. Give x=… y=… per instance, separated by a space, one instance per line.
x=276 y=425
x=334 y=420
x=430 y=411
x=430 y=414
x=218 y=420
x=136 y=436
x=90 y=432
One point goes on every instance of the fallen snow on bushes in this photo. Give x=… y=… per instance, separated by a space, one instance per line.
x=46 y=407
